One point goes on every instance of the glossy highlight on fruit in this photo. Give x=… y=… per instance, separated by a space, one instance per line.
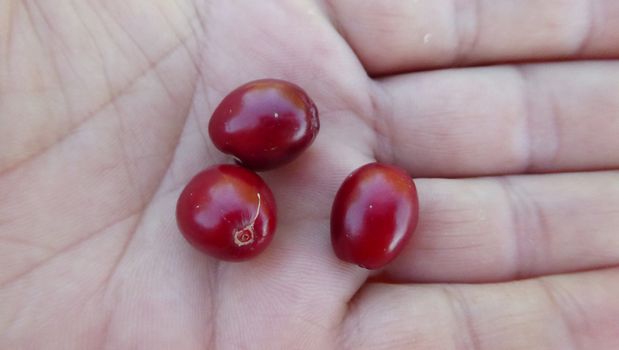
x=265 y=123
x=227 y=212
x=374 y=214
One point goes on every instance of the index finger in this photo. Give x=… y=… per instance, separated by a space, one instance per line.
x=394 y=35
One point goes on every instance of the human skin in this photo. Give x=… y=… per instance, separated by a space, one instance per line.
x=501 y=110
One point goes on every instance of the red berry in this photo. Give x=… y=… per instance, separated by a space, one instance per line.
x=374 y=214
x=264 y=123
x=227 y=212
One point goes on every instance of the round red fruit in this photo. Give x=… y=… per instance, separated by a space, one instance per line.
x=227 y=212
x=374 y=214
x=265 y=123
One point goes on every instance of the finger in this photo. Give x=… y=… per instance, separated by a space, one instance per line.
x=394 y=35
x=497 y=229
x=482 y=121
x=579 y=311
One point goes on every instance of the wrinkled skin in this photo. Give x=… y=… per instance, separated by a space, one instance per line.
x=104 y=108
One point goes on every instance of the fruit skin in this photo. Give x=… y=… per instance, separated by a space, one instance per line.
x=264 y=123
x=227 y=212
x=374 y=214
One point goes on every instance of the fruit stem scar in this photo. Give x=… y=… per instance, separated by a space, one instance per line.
x=246 y=235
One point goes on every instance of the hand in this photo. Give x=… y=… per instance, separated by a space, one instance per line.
x=103 y=114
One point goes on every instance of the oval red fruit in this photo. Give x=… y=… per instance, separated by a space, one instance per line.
x=227 y=212
x=374 y=214
x=265 y=123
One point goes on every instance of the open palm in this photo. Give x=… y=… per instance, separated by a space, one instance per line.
x=103 y=114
